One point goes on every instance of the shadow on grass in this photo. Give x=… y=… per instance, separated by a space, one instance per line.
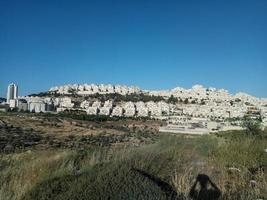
x=164 y=186
x=204 y=193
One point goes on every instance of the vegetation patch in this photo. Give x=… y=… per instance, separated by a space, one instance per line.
x=160 y=167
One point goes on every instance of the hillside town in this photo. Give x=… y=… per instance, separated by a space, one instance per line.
x=183 y=109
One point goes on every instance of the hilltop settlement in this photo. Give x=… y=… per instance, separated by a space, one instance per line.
x=197 y=110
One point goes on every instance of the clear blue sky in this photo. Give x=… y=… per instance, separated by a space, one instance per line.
x=149 y=43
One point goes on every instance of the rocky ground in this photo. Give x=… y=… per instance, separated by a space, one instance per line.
x=23 y=131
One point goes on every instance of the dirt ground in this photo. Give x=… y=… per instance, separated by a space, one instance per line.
x=18 y=129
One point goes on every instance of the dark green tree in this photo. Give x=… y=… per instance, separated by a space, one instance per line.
x=172 y=99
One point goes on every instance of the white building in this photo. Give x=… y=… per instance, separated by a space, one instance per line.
x=92 y=110
x=22 y=105
x=165 y=108
x=104 y=111
x=12 y=92
x=96 y=104
x=37 y=106
x=13 y=103
x=64 y=102
x=87 y=89
x=108 y=104
x=85 y=104
x=142 y=110
x=198 y=101
x=129 y=109
x=154 y=109
x=117 y=111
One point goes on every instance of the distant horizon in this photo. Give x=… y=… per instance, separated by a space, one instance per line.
x=158 y=44
x=144 y=89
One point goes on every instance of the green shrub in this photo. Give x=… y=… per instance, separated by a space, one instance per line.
x=252 y=126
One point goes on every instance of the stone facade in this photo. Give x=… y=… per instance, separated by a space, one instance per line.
x=198 y=101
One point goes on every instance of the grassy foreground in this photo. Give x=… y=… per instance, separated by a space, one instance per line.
x=165 y=169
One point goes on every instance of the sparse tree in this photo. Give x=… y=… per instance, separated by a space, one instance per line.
x=252 y=126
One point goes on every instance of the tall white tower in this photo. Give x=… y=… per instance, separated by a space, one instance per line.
x=12 y=92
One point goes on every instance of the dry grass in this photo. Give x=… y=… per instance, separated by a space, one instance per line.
x=237 y=165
